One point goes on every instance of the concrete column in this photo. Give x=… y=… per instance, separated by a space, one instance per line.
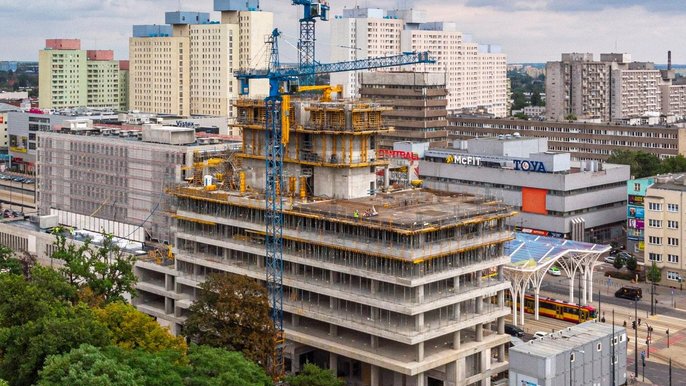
x=584 y=287
x=374 y=341
x=479 y=328
x=386 y=178
x=521 y=306
x=501 y=325
x=295 y=362
x=485 y=361
x=479 y=281
x=536 y=296
x=501 y=353
x=419 y=322
x=458 y=312
x=500 y=273
x=456 y=283
x=514 y=307
x=375 y=376
x=333 y=303
x=333 y=363
x=417 y=380
x=571 y=289
x=501 y=298
x=333 y=277
x=457 y=340
x=451 y=374
x=420 y=351
x=420 y=294
x=479 y=305
x=295 y=320
x=374 y=286
x=333 y=330
x=590 y=284
x=397 y=378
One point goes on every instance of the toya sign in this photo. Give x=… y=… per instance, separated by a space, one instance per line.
x=529 y=166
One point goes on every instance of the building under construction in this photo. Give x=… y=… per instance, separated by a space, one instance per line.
x=390 y=288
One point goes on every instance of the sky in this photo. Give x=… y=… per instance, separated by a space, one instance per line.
x=527 y=30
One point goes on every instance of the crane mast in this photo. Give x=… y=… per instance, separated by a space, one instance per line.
x=281 y=81
x=312 y=10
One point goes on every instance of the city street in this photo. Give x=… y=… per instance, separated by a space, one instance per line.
x=667 y=318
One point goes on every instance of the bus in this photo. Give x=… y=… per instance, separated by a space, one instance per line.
x=557 y=309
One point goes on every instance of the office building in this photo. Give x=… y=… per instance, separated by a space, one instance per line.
x=583 y=201
x=584 y=141
x=383 y=299
x=187 y=66
x=5 y=109
x=71 y=77
x=418 y=102
x=475 y=73
x=585 y=354
x=664 y=226
x=95 y=176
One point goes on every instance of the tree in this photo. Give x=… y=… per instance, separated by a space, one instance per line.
x=631 y=263
x=105 y=269
x=132 y=329
x=212 y=366
x=25 y=347
x=536 y=99
x=8 y=264
x=89 y=365
x=570 y=117
x=618 y=263
x=642 y=164
x=232 y=312
x=521 y=116
x=314 y=376
x=654 y=273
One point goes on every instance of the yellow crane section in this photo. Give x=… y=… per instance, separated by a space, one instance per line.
x=326 y=90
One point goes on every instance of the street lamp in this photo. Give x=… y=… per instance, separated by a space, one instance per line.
x=571 y=360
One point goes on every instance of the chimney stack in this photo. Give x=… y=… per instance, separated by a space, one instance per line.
x=669 y=60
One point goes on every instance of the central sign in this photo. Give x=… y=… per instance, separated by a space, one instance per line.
x=409 y=155
x=529 y=166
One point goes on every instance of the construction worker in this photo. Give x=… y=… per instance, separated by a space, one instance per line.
x=356 y=214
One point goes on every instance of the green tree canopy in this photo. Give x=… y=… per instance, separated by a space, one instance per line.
x=26 y=347
x=232 y=312
x=8 y=264
x=647 y=164
x=619 y=262
x=654 y=273
x=631 y=263
x=132 y=329
x=211 y=366
x=314 y=376
x=104 y=269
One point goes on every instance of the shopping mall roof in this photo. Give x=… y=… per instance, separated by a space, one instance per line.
x=529 y=252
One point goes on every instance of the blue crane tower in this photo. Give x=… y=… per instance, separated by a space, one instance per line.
x=313 y=9
x=282 y=82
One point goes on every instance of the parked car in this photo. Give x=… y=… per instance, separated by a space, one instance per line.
x=625 y=255
x=631 y=293
x=514 y=330
x=555 y=271
x=609 y=259
x=539 y=334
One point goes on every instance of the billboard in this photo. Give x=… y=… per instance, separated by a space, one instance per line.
x=634 y=223
x=636 y=200
x=635 y=211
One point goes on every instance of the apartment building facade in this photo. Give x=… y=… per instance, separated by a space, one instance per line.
x=475 y=74
x=187 y=66
x=664 y=205
x=71 y=77
x=418 y=102
x=585 y=141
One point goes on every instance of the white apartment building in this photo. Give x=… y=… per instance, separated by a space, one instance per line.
x=635 y=93
x=673 y=99
x=187 y=66
x=476 y=74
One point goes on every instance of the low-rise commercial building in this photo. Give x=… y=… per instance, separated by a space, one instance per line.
x=584 y=141
x=583 y=201
x=590 y=353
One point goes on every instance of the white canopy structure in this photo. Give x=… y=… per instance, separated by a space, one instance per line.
x=530 y=258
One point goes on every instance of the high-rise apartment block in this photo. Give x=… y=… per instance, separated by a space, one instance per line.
x=475 y=74
x=418 y=102
x=613 y=88
x=187 y=66
x=72 y=77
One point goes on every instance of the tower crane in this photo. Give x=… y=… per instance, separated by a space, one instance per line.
x=313 y=9
x=282 y=82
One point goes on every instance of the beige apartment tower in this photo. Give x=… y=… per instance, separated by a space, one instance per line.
x=62 y=73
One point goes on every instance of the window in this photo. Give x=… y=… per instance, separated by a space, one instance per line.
x=673 y=241
x=655 y=256
x=673 y=258
x=637 y=187
x=671 y=275
x=599 y=347
x=654 y=240
x=672 y=224
x=654 y=206
x=572 y=357
x=673 y=207
x=654 y=223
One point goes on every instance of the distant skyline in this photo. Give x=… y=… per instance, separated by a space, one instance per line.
x=527 y=30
